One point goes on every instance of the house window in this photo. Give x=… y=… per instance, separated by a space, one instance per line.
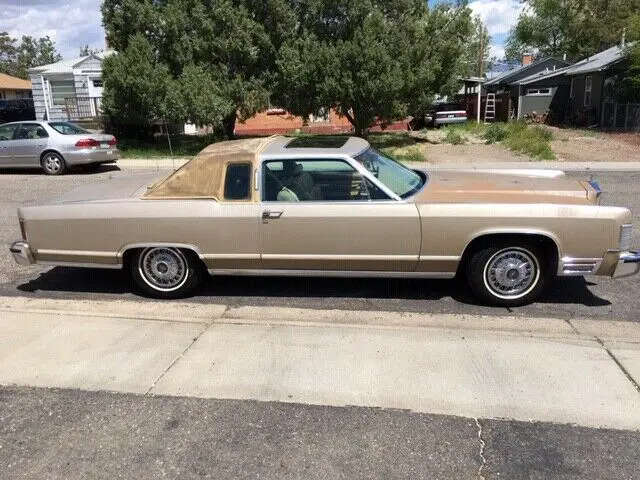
x=97 y=83
x=588 y=83
x=61 y=89
x=571 y=89
x=539 y=91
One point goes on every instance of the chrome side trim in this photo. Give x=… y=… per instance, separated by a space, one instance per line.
x=187 y=246
x=439 y=258
x=570 y=267
x=232 y=256
x=115 y=266
x=329 y=273
x=78 y=253
x=401 y=258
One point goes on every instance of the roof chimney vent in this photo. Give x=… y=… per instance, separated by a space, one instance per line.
x=527 y=59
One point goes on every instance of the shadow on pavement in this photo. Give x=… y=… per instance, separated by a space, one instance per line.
x=78 y=170
x=81 y=280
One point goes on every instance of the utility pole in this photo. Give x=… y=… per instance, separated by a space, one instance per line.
x=480 y=67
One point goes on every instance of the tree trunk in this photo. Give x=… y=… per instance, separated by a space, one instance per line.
x=229 y=126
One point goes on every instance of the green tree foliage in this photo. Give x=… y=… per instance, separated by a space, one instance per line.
x=476 y=50
x=577 y=28
x=370 y=60
x=222 y=43
x=631 y=82
x=86 y=50
x=17 y=57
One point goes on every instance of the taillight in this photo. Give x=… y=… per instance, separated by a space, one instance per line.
x=23 y=230
x=87 y=143
x=113 y=142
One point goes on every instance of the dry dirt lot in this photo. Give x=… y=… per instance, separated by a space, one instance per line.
x=569 y=145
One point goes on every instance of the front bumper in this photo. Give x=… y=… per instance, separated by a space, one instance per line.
x=628 y=264
x=22 y=253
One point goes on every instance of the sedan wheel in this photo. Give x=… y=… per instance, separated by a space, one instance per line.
x=506 y=276
x=53 y=164
x=166 y=272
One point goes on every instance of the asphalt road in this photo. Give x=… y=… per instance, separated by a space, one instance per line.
x=111 y=436
x=594 y=297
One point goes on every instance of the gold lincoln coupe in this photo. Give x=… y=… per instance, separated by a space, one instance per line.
x=332 y=206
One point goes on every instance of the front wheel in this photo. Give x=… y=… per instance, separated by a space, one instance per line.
x=506 y=276
x=166 y=272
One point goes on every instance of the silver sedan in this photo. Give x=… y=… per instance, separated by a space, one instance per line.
x=54 y=146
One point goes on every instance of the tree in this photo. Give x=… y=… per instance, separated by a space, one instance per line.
x=575 y=28
x=194 y=40
x=17 y=58
x=138 y=100
x=85 y=51
x=631 y=82
x=370 y=60
x=476 y=56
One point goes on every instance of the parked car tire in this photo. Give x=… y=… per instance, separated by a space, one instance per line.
x=53 y=163
x=166 y=272
x=507 y=275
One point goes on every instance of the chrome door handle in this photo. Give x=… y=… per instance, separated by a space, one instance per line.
x=268 y=214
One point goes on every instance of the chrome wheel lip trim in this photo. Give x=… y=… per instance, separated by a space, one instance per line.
x=532 y=285
x=180 y=259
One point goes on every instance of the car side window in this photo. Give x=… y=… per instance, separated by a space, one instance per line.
x=237 y=183
x=31 y=131
x=315 y=180
x=7 y=131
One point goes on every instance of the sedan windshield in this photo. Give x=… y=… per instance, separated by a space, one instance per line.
x=398 y=178
x=67 y=128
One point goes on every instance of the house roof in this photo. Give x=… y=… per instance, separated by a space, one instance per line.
x=7 y=82
x=504 y=77
x=543 y=75
x=67 y=66
x=599 y=61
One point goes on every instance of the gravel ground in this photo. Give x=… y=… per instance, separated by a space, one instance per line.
x=595 y=297
x=580 y=146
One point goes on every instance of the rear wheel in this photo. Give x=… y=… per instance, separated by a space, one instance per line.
x=506 y=275
x=53 y=163
x=166 y=272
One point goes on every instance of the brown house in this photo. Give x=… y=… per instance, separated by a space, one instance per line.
x=277 y=121
x=13 y=88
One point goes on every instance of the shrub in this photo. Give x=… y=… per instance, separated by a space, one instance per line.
x=495 y=132
x=453 y=136
x=533 y=141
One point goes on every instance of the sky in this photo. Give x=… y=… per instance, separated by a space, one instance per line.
x=73 y=24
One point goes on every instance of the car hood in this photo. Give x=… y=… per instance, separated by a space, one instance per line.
x=495 y=187
x=118 y=187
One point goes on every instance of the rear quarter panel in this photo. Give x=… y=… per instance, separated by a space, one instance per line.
x=98 y=232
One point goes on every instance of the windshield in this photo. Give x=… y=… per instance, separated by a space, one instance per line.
x=67 y=128
x=398 y=178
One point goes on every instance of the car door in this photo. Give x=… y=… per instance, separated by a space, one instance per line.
x=323 y=215
x=29 y=141
x=6 y=142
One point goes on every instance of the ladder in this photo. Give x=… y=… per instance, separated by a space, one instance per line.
x=490 y=108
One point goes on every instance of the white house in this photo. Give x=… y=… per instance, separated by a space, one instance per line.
x=69 y=89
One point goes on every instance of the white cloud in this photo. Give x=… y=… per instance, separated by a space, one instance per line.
x=70 y=25
x=496 y=51
x=499 y=16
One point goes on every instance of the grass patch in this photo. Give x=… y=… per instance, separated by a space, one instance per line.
x=158 y=147
x=454 y=136
x=399 y=146
x=531 y=140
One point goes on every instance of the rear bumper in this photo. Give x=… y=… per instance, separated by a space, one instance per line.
x=22 y=253
x=628 y=264
x=87 y=156
x=450 y=121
